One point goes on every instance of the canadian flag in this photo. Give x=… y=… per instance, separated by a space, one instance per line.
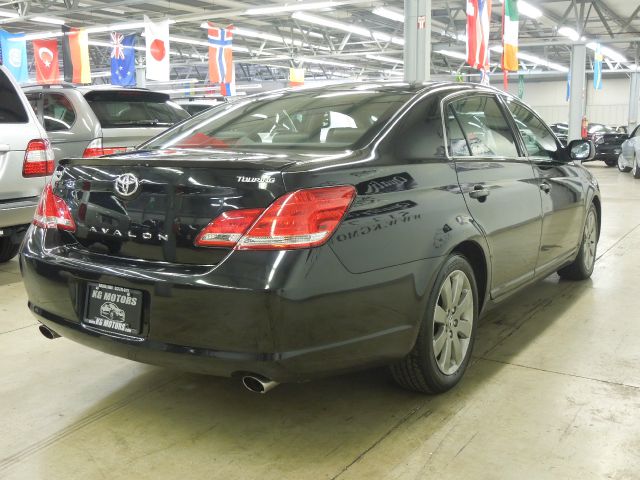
x=157 y=38
x=45 y=54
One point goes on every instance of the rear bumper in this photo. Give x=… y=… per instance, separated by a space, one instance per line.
x=288 y=316
x=17 y=212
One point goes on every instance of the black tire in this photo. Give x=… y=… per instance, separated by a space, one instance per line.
x=582 y=266
x=635 y=171
x=8 y=249
x=621 y=168
x=611 y=163
x=419 y=370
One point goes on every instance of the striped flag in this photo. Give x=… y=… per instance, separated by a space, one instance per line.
x=75 y=55
x=510 y=35
x=597 y=69
x=478 y=23
x=221 y=69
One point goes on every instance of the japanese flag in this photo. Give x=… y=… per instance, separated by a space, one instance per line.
x=157 y=38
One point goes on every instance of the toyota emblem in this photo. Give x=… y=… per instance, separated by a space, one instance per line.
x=127 y=185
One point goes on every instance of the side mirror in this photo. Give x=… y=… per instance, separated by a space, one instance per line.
x=582 y=150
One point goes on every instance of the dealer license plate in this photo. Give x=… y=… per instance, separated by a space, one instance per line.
x=112 y=308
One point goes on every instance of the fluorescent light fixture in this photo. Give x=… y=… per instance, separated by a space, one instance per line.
x=383 y=58
x=527 y=9
x=248 y=32
x=570 y=33
x=293 y=7
x=346 y=27
x=170 y=82
x=541 y=61
x=389 y=13
x=39 y=35
x=116 y=27
x=50 y=20
x=451 y=53
x=114 y=10
x=326 y=62
x=202 y=43
x=608 y=52
x=8 y=14
x=100 y=74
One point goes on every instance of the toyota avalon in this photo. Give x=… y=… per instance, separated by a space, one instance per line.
x=297 y=234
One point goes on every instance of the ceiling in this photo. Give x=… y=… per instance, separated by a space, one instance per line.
x=268 y=42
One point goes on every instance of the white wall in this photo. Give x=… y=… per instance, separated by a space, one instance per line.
x=609 y=105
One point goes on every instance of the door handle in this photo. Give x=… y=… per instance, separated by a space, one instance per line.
x=479 y=192
x=545 y=187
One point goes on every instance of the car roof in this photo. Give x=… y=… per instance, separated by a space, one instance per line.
x=81 y=88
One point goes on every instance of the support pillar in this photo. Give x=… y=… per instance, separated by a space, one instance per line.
x=417 y=37
x=141 y=76
x=576 y=99
x=634 y=98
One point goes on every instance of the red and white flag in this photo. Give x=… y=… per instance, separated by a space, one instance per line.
x=45 y=54
x=157 y=39
x=478 y=25
x=221 y=68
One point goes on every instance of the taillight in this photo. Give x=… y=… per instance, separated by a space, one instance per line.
x=301 y=219
x=95 y=149
x=53 y=212
x=38 y=159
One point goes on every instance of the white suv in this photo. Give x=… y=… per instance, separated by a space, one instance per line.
x=26 y=160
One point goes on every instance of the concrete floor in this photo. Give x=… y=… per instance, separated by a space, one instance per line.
x=553 y=393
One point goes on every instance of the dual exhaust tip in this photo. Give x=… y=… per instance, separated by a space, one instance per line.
x=253 y=383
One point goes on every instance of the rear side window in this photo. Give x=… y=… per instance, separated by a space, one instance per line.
x=484 y=127
x=11 y=107
x=58 y=113
x=131 y=109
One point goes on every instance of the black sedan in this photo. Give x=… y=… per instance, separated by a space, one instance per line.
x=298 y=234
x=608 y=142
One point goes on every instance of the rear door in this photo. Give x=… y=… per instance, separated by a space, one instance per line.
x=131 y=117
x=18 y=126
x=561 y=186
x=498 y=184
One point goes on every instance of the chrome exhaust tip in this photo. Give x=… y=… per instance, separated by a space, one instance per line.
x=258 y=384
x=48 y=333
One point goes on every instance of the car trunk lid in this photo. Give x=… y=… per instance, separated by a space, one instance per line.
x=152 y=206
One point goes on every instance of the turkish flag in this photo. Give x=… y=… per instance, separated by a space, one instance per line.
x=157 y=38
x=45 y=53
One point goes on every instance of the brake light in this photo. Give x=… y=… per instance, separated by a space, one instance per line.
x=301 y=219
x=95 y=149
x=53 y=212
x=38 y=159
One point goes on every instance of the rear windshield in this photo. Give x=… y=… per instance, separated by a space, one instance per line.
x=325 y=120
x=131 y=109
x=11 y=107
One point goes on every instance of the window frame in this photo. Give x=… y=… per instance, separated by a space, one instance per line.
x=73 y=109
x=444 y=106
x=503 y=99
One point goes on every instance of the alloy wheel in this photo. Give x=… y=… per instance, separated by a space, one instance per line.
x=453 y=322
x=590 y=240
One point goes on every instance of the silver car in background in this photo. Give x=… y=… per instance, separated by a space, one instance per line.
x=95 y=120
x=629 y=159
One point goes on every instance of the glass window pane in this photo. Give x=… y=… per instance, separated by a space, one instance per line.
x=11 y=108
x=485 y=127
x=457 y=143
x=58 y=113
x=538 y=139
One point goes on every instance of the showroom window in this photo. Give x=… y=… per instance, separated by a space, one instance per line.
x=538 y=139
x=485 y=128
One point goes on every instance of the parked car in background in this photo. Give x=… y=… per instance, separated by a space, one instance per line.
x=562 y=131
x=608 y=142
x=95 y=120
x=629 y=158
x=195 y=105
x=622 y=129
x=272 y=240
x=26 y=159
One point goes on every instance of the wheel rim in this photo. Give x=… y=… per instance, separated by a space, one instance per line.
x=620 y=166
x=453 y=322
x=590 y=240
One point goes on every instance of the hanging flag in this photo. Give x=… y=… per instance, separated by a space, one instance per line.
x=520 y=86
x=221 y=59
x=123 y=59
x=45 y=54
x=597 y=69
x=296 y=77
x=478 y=23
x=75 y=55
x=484 y=77
x=510 y=20
x=568 y=87
x=13 y=54
x=157 y=38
